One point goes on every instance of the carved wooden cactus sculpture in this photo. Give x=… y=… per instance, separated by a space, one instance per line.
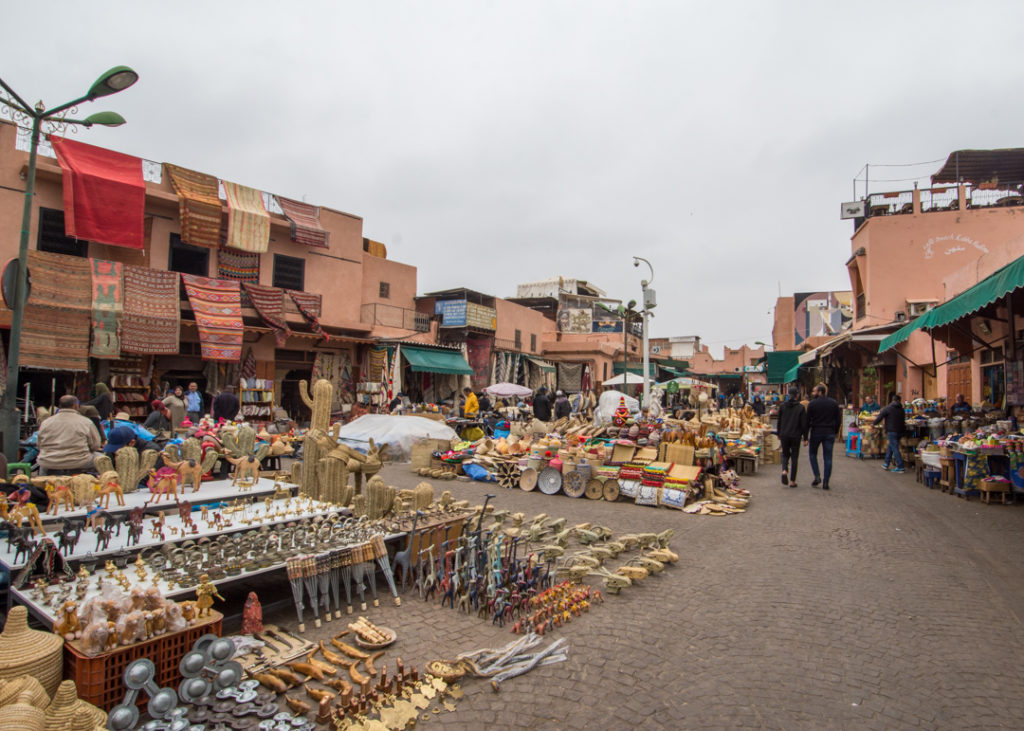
x=333 y=480
x=320 y=406
x=423 y=494
x=379 y=498
x=131 y=468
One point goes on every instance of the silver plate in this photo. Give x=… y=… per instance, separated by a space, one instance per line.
x=550 y=481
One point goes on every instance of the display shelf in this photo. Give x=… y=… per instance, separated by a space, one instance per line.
x=87 y=543
x=256 y=397
x=211 y=491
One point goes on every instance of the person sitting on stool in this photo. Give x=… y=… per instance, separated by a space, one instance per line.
x=67 y=441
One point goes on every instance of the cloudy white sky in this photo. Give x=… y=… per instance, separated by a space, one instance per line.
x=491 y=143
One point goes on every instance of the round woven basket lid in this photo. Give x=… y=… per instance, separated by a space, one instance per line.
x=595 y=489
x=573 y=484
x=15 y=687
x=611 y=490
x=550 y=481
x=22 y=715
x=25 y=651
x=528 y=480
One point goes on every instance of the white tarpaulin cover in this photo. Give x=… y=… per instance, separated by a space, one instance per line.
x=609 y=401
x=397 y=431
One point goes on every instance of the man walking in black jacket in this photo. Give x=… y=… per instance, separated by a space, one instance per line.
x=791 y=427
x=824 y=419
x=895 y=424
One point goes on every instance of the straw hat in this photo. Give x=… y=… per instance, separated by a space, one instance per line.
x=25 y=651
x=66 y=705
x=122 y=416
x=22 y=715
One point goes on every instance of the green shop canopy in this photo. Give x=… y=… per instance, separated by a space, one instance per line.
x=637 y=369
x=985 y=292
x=791 y=374
x=542 y=364
x=778 y=363
x=424 y=360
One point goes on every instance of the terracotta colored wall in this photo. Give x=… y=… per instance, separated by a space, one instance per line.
x=782 y=328
x=512 y=317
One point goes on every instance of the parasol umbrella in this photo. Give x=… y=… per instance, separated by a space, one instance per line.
x=511 y=390
x=624 y=378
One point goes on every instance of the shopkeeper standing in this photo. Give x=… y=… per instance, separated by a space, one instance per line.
x=472 y=406
x=194 y=403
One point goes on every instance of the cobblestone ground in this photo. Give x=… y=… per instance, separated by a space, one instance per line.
x=878 y=604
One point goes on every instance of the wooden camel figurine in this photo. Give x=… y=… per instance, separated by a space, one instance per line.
x=59 y=493
x=17 y=514
x=109 y=484
x=161 y=482
x=247 y=470
x=189 y=470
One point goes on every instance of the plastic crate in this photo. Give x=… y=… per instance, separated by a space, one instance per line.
x=100 y=679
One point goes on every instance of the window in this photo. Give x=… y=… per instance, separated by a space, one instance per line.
x=385 y=290
x=604 y=370
x=188 y=259
x=289 y=272
x=52 y=238
x=533 y=345
x=861 y=305
x=992 y=355
x=519 y=340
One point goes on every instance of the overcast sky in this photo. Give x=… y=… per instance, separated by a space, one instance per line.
x=490 y=143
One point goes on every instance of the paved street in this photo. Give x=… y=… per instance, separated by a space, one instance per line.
x=879 y=604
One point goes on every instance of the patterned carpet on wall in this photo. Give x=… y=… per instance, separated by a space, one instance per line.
x=305 y=223
x=269 y=303
x=310 y=306
x=151 y=313
x=107 y=308
x=199 y=205
x=241 y=266
x=248 y=220
x=217 y=305
x=55 y=329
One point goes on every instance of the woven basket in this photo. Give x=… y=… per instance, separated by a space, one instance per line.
x=25 y=651
x=66 y=704
x=23 y=716
x=12 y=689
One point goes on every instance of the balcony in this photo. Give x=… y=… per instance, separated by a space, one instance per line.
x=392 y=316
x=945 y=198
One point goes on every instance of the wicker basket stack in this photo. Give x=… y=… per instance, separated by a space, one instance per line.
x=25 y=651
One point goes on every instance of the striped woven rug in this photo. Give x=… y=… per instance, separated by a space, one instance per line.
x=269 y=302
x=305 y=221
x=309 y=305
x=55 y=329
x=107 y=308
x=248 y=220
x=199 y=205
x=217 y=305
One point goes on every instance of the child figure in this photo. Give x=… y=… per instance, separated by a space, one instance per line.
x=205 y=593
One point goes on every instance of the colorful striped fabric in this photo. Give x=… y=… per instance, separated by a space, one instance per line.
x=305 y=221
x=309 y=305
x=248 y=220
x=151 y=312
x=107 y=308
x=217 y=306
x=55 y=329
x=199 y=205
x=269 y=303
x=241 y=266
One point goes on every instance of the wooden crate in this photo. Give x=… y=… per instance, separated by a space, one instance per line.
x=100 y=679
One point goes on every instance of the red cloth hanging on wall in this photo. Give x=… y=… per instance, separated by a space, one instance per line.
x=104 y=194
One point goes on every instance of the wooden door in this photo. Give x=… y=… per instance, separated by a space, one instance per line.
x=931 y=387
x=958 y=380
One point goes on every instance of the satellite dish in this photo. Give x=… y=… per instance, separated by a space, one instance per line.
x=9 y=282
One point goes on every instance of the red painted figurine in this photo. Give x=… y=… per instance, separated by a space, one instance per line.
x=252 y=615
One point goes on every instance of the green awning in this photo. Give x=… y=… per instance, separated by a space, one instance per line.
x=725 y=375
x=637 y=369
x=778 y=363
x=424 y=360
x=542 y=364
x=791 y=374
x=985 y=292
x=672 y=363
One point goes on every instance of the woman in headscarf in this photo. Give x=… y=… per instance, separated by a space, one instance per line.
x=175 y=403
x=159 y=418
x=104 y=401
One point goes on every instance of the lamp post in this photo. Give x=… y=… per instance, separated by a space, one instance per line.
x=649 y=303
x=116 y=79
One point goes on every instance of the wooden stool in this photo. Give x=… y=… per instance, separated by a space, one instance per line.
x=988 y=489
x=948 y=479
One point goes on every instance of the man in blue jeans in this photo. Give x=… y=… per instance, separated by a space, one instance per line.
x=824 y=420
x=895 y=425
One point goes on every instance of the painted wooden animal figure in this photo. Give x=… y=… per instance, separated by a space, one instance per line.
x=19 y=513
x=157 y=531
x=67 y=538
x=189 y=470
x=403 y=558
x=59 y=494
x=161 y=482
x=247 y=470
x=109 y=484
x=135 y=516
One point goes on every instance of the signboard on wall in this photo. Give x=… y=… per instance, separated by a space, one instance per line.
x=608 y=325
x=453 y=312
x=854 y=209
x=572 y=320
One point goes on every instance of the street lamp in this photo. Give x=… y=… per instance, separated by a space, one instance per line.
x=650 y=302
x=625 y=314
x=114 y=80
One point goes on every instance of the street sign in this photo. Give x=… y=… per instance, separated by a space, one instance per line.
x=854 y=209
